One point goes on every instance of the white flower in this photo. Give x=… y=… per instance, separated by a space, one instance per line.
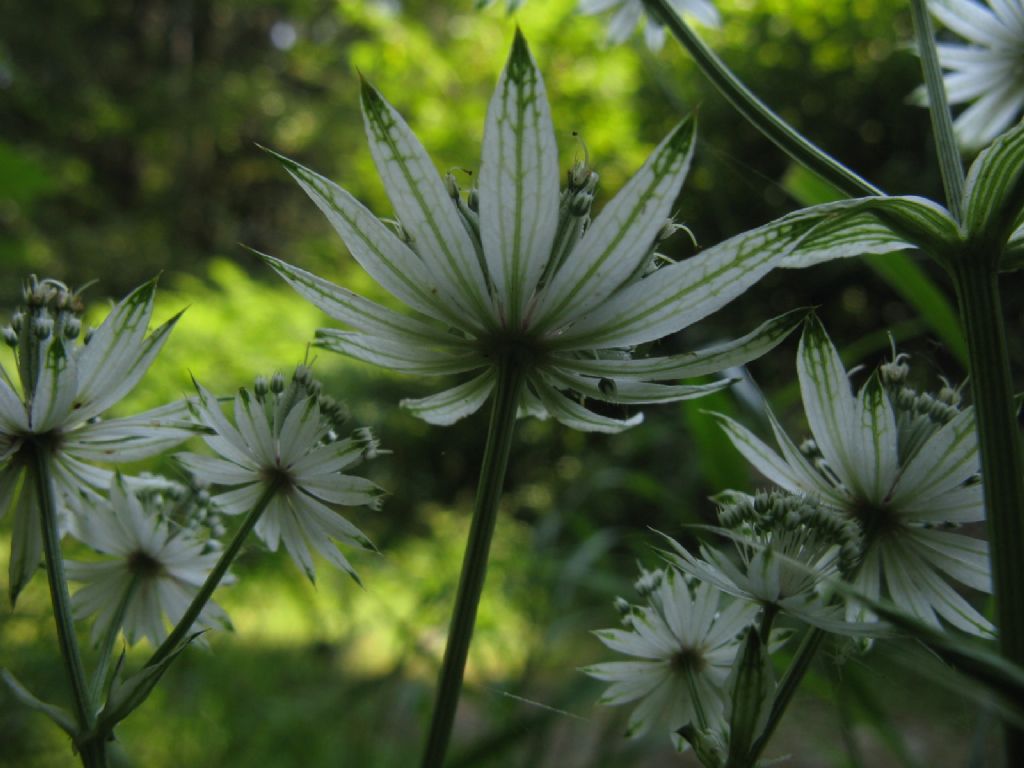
x=154 y=566
x=789 y=547
x=988 y=70
x=64 y=388
x=284 y=449
x=903 y=466
x=685 y=643
x=516 y=275
x=629 y=12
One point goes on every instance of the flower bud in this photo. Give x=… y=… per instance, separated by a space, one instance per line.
x=261 y=387
x=42 y=327
x=10 y=337
x=17 y=319
x=473 y=200
x=277 y=383
x=72 y=327
x=451 y=185
x=581 y=203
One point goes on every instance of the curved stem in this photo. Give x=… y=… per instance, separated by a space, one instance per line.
x=213 y=579
x=756 y=112
x=99 y=675
x=787 y=687
x=71 y=654
x=942 y=122
x=977 y=287
x=474 y=564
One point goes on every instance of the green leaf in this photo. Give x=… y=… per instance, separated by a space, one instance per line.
x=519 y=195
x=994 y=194
x=750 y=697
x=126 y=695
x=61 y=717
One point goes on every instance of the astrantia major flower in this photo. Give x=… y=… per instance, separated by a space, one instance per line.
x=154 y=569
x=629 y=12
x=284 y=453
x=788 y=548
x=988 y=70
x=517 y=276
x=684 y=642
x=903 y=466
x=53 y=412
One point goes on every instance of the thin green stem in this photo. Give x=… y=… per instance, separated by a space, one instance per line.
x=474 y=564
x=977 y=287
x=92 y=754
x=757 y=113
x=942 y=122
x=99 y=675
x=213 y=580
x=787 y=687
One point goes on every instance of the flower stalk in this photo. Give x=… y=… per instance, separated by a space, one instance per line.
x=92 y=752
x=977 y=287
x=942 y=122
x=759 y=114
x=474 y=565
x=214 y=578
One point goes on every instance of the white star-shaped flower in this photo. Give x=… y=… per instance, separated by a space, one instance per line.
x=516 y=275
x=629 y=12
x=903 y=467
x=63 y=388
x=988 y=70
x=684 y=642
x=154 y=570
x=283 y=451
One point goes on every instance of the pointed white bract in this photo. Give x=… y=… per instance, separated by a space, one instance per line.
x=683 y=642
x=789 y=548
x=154 y=566
x=517 y=269
x=627 y=14
x=987 y=70
x=284 y=450
x=903 y=466
x=63 y=388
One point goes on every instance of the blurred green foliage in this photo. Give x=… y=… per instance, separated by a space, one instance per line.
x=128 y=147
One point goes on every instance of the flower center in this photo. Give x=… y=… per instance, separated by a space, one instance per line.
x=688 y=659
x=876 y=520
x=277 y=476
x=142 y=565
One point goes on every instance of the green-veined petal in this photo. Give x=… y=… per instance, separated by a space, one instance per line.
x=453 y=404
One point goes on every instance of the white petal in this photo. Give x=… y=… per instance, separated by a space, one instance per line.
x=55 y=388
x=425 y=209
x=453 y=404
x=947 y=459
x=519 y=195
x=399 y=355
x=574 y=415
x=619 y=241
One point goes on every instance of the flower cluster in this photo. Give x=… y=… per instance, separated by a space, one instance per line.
x=516 y=276
x=284 y=457
x=66 y=380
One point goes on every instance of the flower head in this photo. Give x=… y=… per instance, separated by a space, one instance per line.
x=516 y=273
x=988 y=70
x=155 y=567
x=284 y=451
x=685 y=641
x=903 y=466
x=63 y=388
x=788 y=547
x=629 y=12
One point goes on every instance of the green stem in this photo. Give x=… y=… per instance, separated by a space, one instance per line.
x=977 y=287
x=92 y=753
x=99 y=676
x=942 y=122
x=213 y=579
x=757 y=113
x=787 y=687
x=474 y=564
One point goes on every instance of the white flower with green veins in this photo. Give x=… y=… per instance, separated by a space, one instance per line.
x=988 y=70
x=629 y=12
x=154 y=568
x=54 y=410
x=684 y=642
x=903 y=466
x=284 y=452
x=518 y=274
